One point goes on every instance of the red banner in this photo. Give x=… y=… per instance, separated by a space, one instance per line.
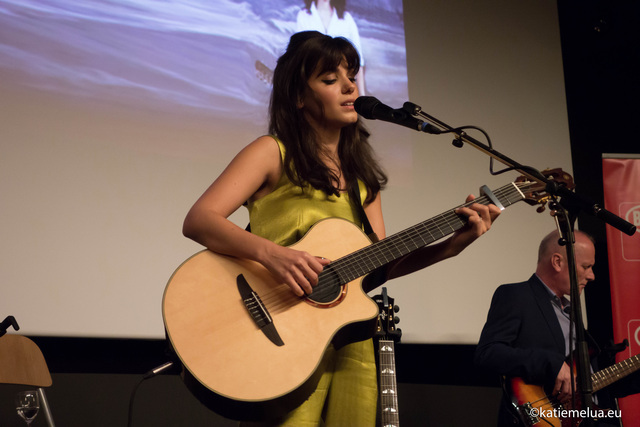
x=621 y=179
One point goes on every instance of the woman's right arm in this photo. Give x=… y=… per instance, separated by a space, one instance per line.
x=252 y=174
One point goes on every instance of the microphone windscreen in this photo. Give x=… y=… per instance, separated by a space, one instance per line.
x=364 y=105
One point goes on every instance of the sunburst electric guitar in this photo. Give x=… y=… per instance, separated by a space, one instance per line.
x=250 y=349
x=535 y=407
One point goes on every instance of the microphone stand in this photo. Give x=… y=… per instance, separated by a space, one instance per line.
x=580 y=355
x=566 y=212
x=552 y=187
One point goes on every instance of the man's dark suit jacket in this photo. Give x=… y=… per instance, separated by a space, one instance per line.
x=522 y=337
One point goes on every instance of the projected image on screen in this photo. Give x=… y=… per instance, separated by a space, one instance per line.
x=185 y=57
x=116 y=115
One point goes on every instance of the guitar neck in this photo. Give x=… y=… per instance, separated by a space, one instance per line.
x=366 y=260
x=615 y=372
x=388 y=385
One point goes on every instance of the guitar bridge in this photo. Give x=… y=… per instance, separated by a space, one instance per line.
x=528 y=414
x=258 y=311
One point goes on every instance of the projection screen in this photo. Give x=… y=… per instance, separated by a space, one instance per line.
x=116 y=115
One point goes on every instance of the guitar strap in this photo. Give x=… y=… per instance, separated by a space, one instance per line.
x=363 y=216
x=378 y=276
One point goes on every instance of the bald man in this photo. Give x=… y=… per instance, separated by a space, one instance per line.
x=527 y=330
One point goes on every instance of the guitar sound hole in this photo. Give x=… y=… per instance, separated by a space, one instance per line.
x=328 y=289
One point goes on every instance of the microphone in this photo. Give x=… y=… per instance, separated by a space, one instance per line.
x=371 y=108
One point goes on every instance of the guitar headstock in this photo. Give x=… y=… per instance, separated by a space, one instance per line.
x=535 y=193
x=387 y=319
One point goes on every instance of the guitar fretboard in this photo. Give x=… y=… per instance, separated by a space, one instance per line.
x=615 y=372
x=388 y=386
x=367 y=259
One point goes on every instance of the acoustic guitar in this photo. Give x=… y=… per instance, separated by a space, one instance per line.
x=250 y=349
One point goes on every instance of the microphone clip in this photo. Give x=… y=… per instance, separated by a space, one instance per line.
x=414 y=110
x=457 y=141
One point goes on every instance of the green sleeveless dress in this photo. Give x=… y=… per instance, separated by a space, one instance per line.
x=347 y=392
x=288 y=212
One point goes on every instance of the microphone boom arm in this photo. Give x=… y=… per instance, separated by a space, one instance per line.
x=570 y=198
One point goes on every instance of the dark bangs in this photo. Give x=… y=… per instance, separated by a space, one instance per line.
x=306 y=51
x=327 y=53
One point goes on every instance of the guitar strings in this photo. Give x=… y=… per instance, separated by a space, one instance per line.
x=352 y=263
x=600 y=379
x=280 y=298
x=608 y=375
x=356 y=264
x=360 y=263
x=613 y=373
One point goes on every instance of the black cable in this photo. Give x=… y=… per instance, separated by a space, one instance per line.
x=458 y=143
x=132 y=399
x=152 y=373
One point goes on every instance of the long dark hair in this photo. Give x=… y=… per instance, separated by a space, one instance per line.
x=302 y=164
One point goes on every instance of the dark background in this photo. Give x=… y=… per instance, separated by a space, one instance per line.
x=93 y=378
